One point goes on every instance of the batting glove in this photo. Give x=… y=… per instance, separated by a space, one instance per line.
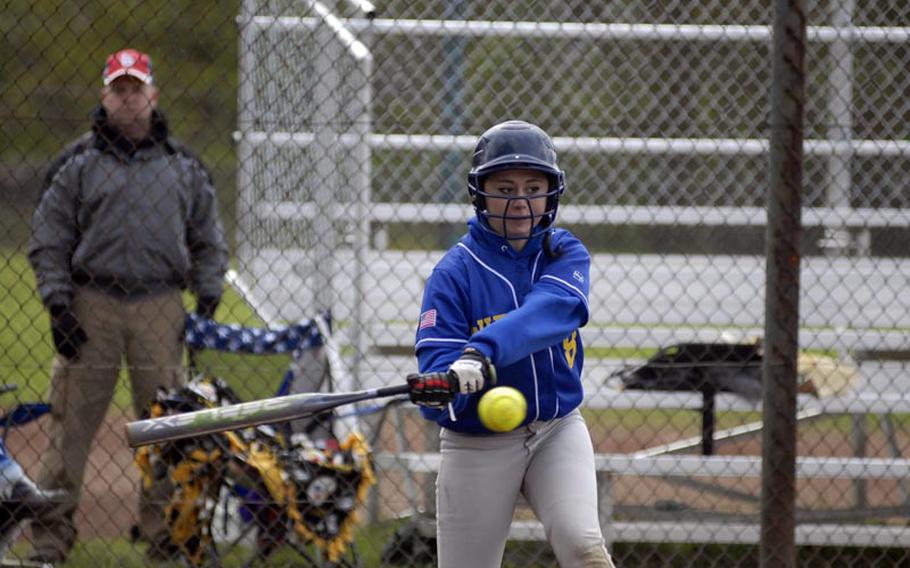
x=473 y=370
x=433 y=390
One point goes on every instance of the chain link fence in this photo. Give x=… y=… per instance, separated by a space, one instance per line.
x=338 y=137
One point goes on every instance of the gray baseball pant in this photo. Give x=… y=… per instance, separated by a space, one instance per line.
x=480 y=478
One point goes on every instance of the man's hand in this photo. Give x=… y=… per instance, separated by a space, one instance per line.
x=473 y=371
x=433 y=390
x=206 y=306
x=67 y=333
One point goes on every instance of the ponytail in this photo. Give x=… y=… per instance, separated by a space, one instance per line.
x=552 y=253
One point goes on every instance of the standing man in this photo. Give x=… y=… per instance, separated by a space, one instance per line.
x=128 y=219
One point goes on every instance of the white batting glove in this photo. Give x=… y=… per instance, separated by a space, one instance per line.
x=473 y=371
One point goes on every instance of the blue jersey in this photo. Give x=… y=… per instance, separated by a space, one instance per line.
x=523 y=310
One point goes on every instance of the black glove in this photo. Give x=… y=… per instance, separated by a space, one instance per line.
x=206 y=306
x=67 y=333
x=433 y=390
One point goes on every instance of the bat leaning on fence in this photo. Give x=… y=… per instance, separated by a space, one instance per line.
x=236 y=416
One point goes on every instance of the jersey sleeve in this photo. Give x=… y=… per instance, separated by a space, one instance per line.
x=442 y=330
x=556 y=306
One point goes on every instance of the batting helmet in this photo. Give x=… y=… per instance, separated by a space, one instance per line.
x=515 y=144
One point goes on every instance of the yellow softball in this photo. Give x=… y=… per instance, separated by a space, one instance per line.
x=502 y=409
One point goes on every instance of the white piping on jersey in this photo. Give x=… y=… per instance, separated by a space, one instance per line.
x=534 y=269
x=553 y=370
x=536 y=393
x=504 y=279
x=515 y=300
x=439 y=340
x=564 y=283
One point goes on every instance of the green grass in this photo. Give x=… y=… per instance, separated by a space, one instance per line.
x=115 y=553
x=25 y=345
x=369 y=544
x=26 y=350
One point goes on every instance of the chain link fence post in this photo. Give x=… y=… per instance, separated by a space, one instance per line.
x=782 y=289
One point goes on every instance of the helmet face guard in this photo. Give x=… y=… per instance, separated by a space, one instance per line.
x=515 y=144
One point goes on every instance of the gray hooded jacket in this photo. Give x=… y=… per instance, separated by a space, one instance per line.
x=130 y=220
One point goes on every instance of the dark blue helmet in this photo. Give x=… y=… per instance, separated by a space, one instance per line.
x=515 y=144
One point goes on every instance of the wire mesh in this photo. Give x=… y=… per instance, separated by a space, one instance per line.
x=339 y=141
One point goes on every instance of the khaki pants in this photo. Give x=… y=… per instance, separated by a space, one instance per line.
x=148 y=333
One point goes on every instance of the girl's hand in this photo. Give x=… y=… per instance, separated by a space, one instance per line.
x=473 y=371
x=433 y=390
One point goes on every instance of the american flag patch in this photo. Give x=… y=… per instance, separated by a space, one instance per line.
x=427 y=319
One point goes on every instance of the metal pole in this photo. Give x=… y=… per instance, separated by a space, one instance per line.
x=364 y=178
x=325 y=155
x=837 y=240
x=778 y=492
x=453 y=185
x=336 y=42
x=246 y=192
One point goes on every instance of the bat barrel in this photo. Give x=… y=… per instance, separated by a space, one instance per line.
x=243 y=415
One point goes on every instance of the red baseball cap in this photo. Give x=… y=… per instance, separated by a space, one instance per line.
x=128 y=62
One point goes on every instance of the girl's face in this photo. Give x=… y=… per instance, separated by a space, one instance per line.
x=516 y=200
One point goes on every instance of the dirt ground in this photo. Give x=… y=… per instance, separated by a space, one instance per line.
x=111 y=488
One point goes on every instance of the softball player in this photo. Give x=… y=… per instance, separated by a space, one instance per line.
x=511 y=295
